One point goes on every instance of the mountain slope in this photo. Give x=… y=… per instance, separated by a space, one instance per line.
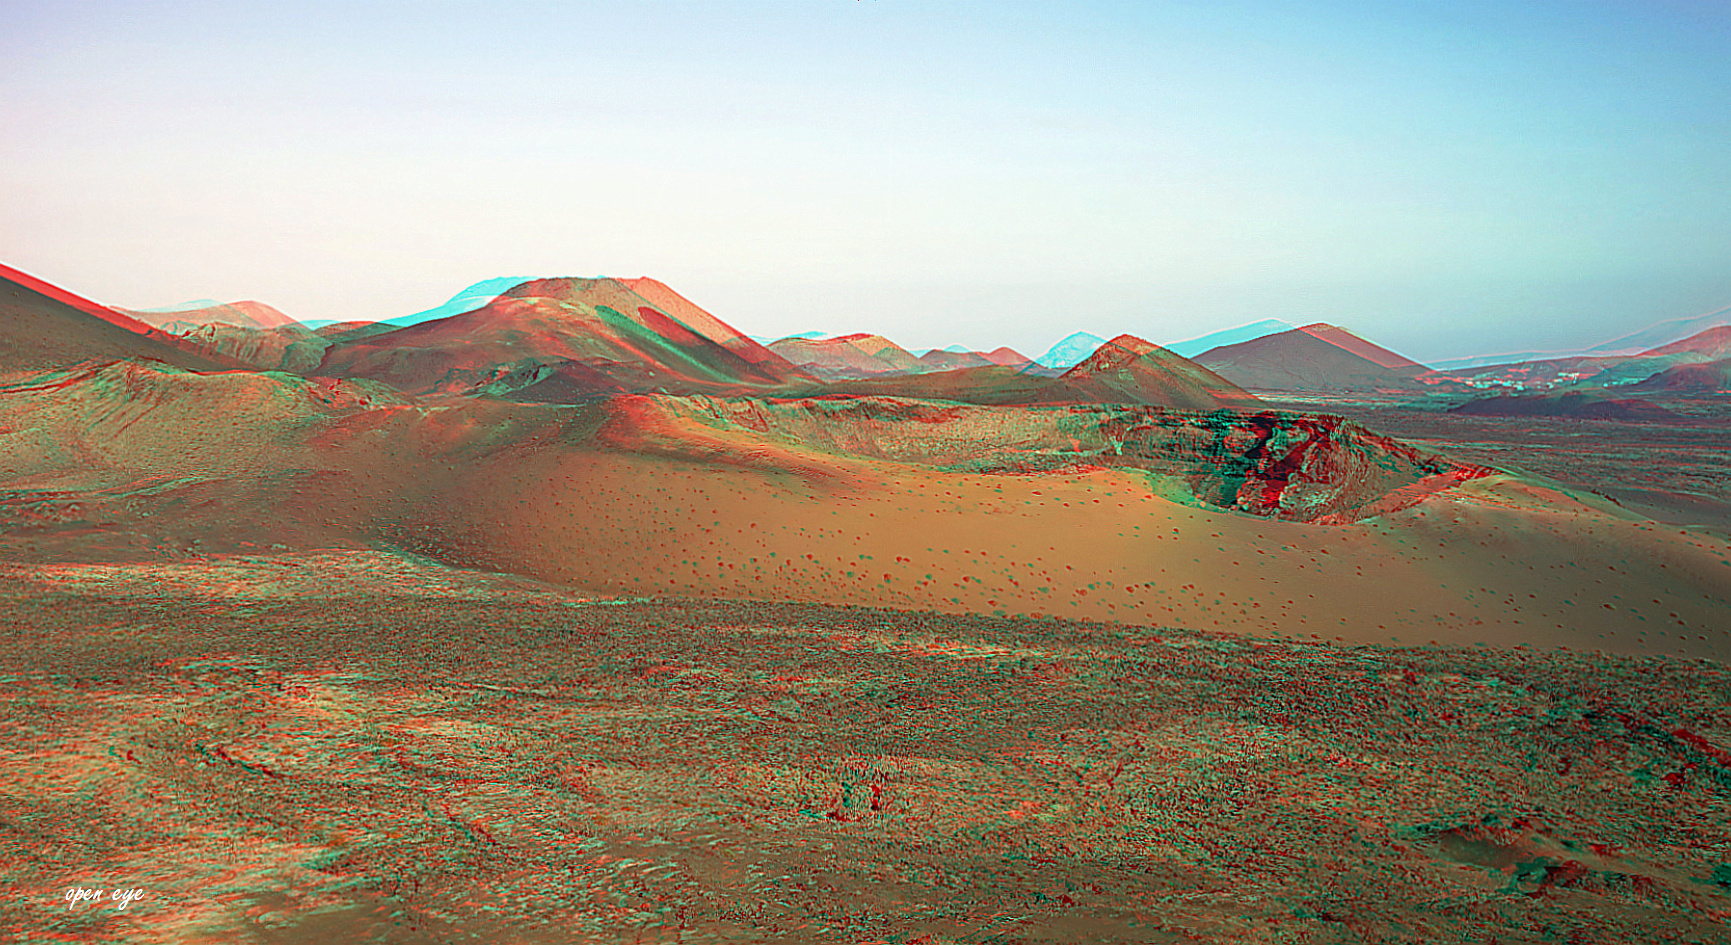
x=43 y=326
x=849 y=356
x=1144 y=372
x=1710 y=377
x=602 y=323
x=689 y=314
x=1662 y=334
x=1070 y=351
x=244 y=314
x=1709 y=345
x=252 y=333
x=1317 y=357
x=1125 y=370
x=1231 y=336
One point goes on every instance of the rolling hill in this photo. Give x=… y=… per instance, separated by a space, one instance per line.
x=1709 y=377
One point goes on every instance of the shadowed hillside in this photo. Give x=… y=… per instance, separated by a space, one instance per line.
x=43 y=326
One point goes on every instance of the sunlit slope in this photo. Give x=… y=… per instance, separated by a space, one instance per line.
x=689 y=314
x=1256 y=522
x=661 y=503
x=43 y=326
x=602 y=323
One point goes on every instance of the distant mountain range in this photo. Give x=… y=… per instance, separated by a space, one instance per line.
x=1636 y=343
x=1070 y=351
x=564 y=337
x=1662 y=334
x=1230 y=336
x=863 y=356
x=1125 y=370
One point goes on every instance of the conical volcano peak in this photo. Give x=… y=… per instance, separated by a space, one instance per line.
x=1370 y=351
x=1115 y=354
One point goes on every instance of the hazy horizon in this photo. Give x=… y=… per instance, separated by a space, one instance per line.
x=1449 y=180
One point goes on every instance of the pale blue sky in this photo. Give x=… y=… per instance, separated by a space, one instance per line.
x=1444 y=177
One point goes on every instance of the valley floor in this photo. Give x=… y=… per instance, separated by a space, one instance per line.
x=363 y=747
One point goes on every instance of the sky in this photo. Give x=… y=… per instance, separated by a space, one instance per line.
x=1447 y=178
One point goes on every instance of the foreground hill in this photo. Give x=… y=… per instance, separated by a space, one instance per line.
x=43 y=326
x=1319 y=357
x=542 y=327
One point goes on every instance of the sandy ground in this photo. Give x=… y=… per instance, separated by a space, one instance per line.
x=640 y=711
x=1494 y=560
x=355 y=747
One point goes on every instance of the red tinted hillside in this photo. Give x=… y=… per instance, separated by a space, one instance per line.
x=688 y=313
x=849 y=356
x=939 y=359
x=1346 y=340
x=1126 y=370
x=43 y=326
x=239 y=314
x=1710 y=345
x=1008 y=357
x=1310 y=358
x=1710 y=377
x=1139 y=371
x=599 y=322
